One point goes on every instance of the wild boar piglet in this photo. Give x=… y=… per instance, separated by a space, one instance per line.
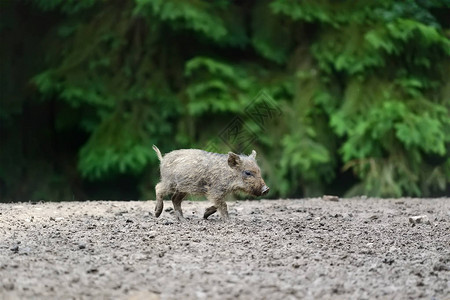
x=197 y=172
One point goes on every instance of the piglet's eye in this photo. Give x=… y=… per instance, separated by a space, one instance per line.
x=248 y=173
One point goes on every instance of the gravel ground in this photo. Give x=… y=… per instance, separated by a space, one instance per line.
x=270 y=249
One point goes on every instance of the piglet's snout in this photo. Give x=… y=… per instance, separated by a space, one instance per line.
x=265 y=190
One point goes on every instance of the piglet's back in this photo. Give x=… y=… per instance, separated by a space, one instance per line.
x=188 y=162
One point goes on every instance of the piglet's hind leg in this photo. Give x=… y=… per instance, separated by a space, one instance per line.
x=209 y=211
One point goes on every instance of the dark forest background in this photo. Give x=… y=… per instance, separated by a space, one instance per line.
x=353 y=96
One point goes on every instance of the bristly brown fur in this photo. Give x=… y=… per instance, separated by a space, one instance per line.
x=197 y=172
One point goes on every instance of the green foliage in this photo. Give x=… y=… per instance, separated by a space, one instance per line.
x=272 y=35
x=215 y=86
x=198 y=16
x=219 y=21
x=388 y=74
x=362 y=87
x=66 y=6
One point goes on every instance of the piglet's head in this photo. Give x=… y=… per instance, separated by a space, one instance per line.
x=248 y=174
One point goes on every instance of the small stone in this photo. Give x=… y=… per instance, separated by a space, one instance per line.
x=348 y=217
x=419 y=219
x=330 y=198
x=129 y=269
x=25 y=250
x=81 y=246
x=15 y=249
x=119 y=213
x=92 y=271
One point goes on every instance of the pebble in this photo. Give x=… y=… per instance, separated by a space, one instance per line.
x=419 y=219
x=330 y=198
x=92 y=271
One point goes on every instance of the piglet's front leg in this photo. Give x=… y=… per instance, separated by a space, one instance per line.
x=222 y=208
x=219 y=205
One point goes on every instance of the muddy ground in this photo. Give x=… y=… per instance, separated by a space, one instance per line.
x=270 y=249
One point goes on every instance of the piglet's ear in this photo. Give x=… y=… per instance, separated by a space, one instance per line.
x=234 y=161
x=253 y=155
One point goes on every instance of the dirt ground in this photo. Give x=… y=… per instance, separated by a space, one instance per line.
x=270 y=249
